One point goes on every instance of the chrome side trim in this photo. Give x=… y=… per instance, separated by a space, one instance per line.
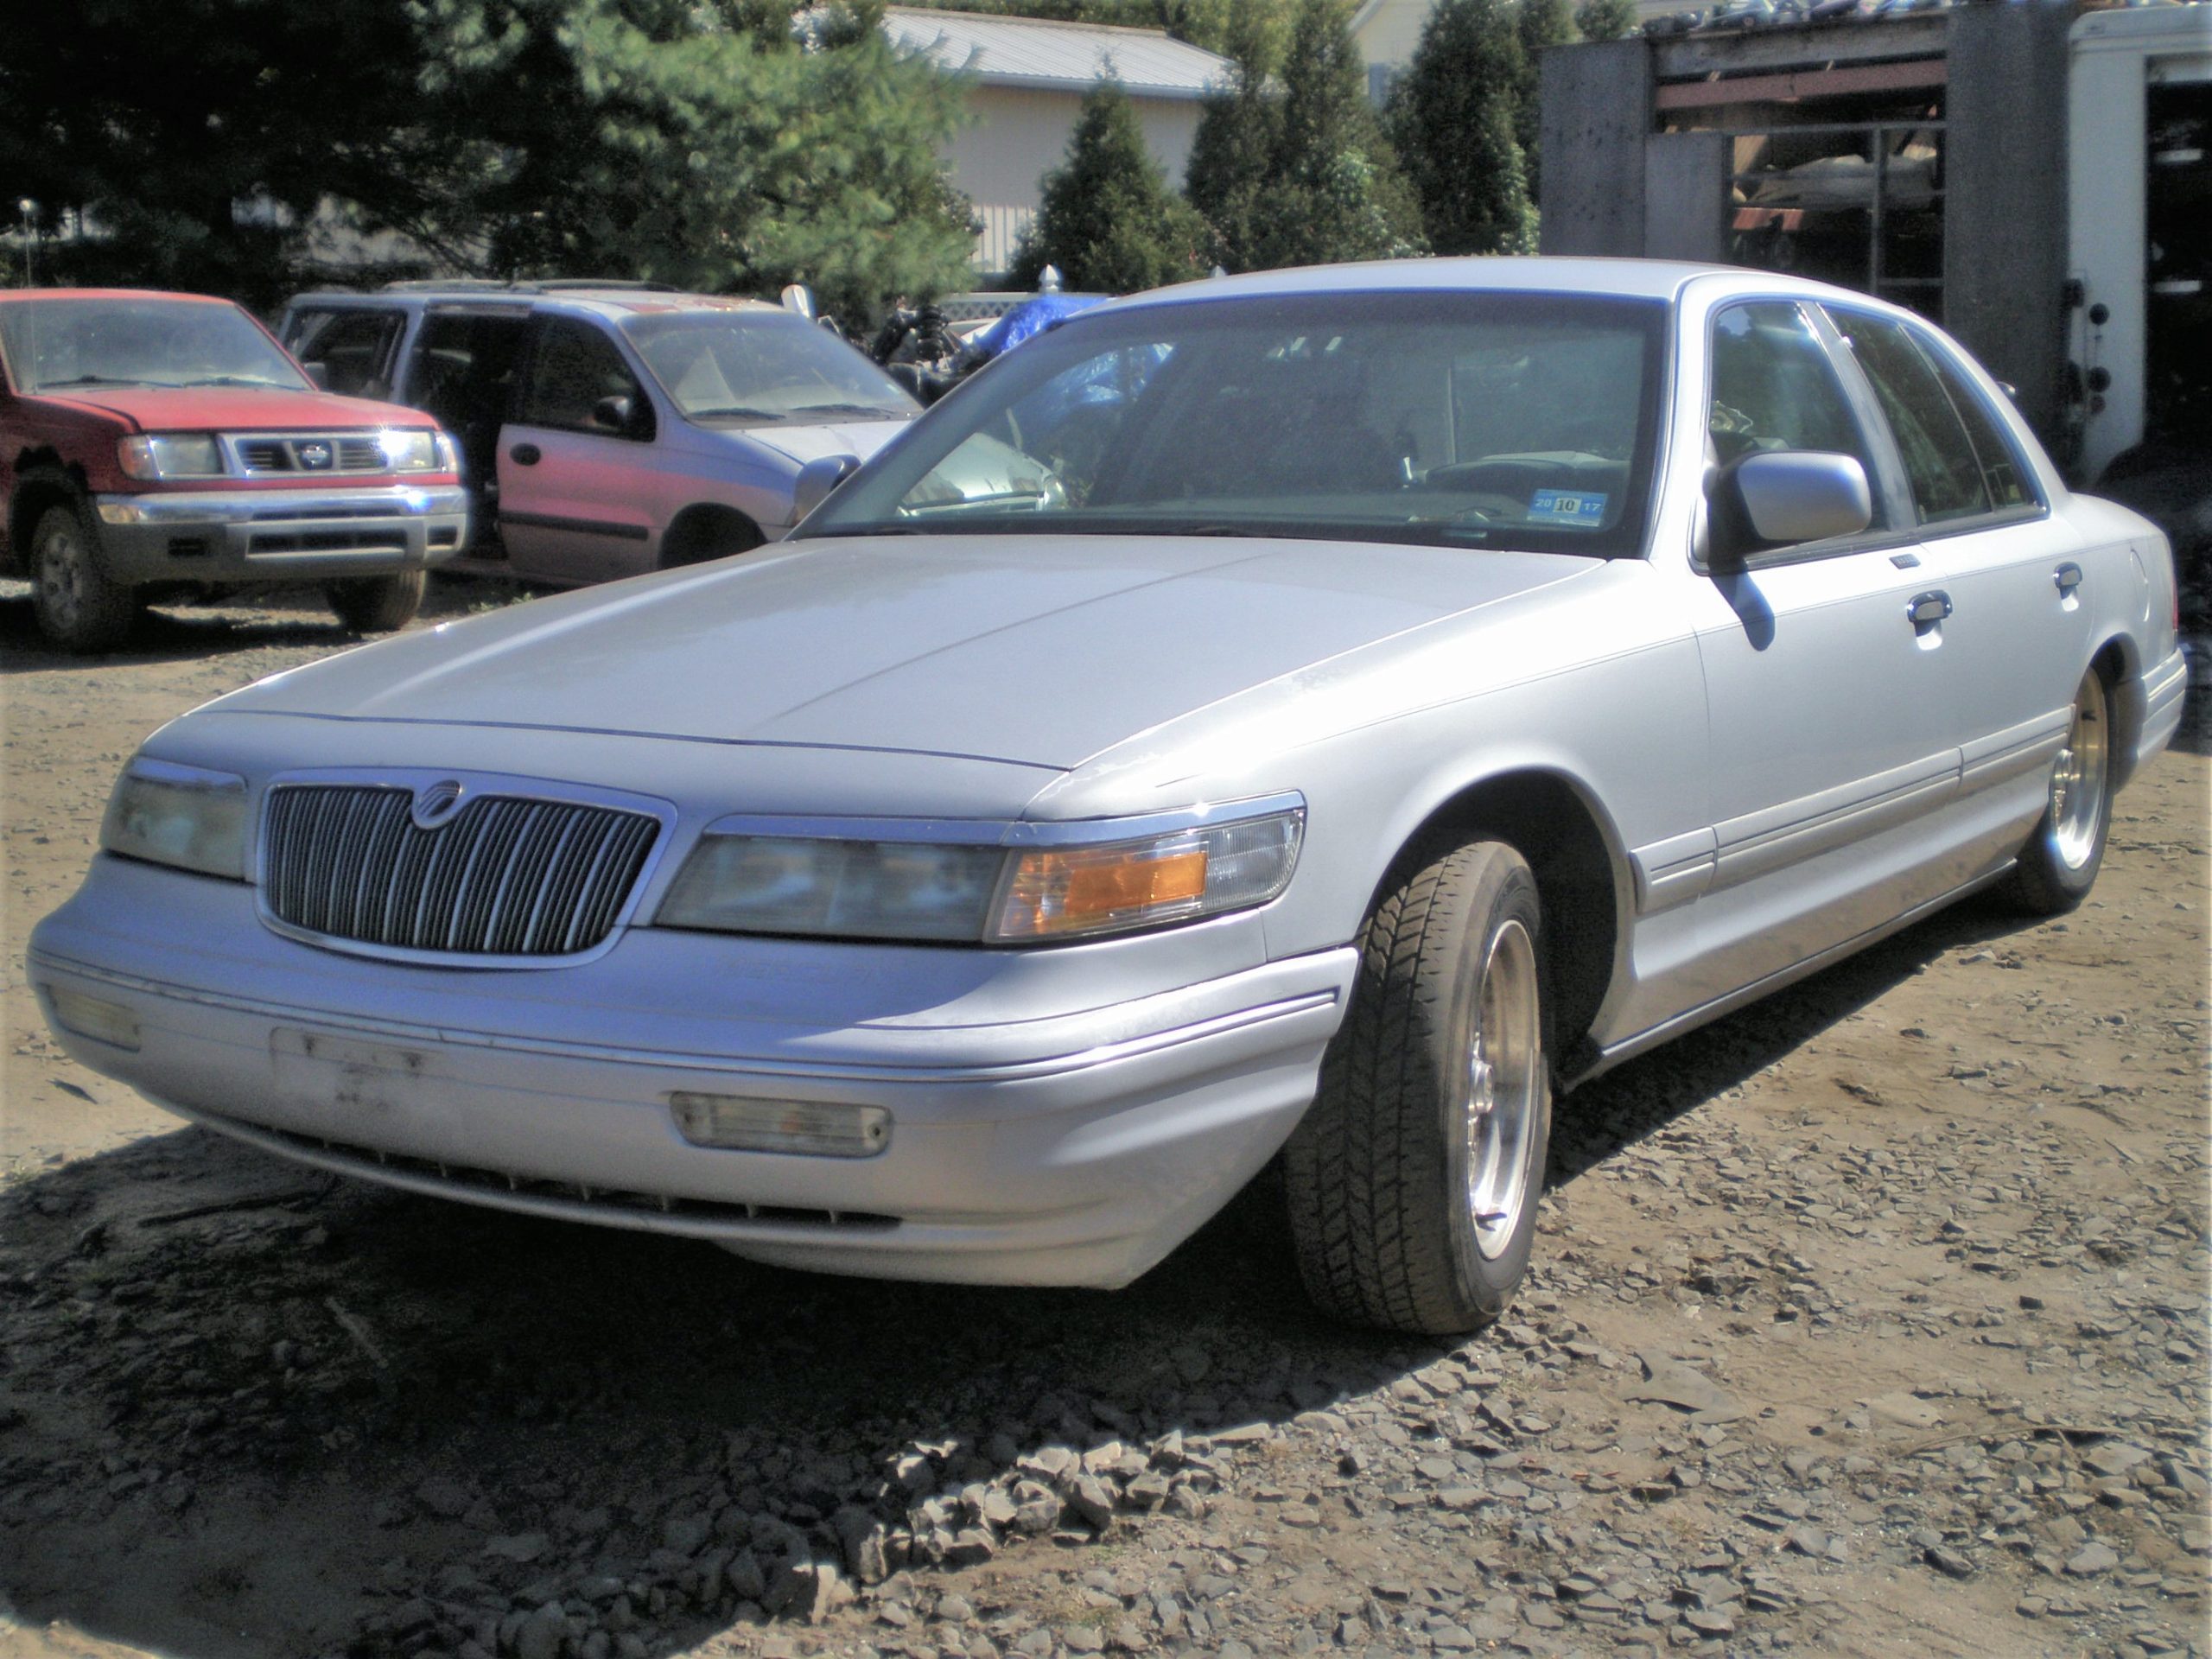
x=2024 y=747
x=1674 y=871
x=1003 y=832
x=1759 y=842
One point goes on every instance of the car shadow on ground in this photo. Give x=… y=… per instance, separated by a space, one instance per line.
x=225 y=1373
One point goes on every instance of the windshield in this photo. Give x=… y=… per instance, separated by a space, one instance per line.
x=762 y=368
x=53 y=345
x=1477 y=420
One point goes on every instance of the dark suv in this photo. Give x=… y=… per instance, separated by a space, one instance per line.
x=608 y=428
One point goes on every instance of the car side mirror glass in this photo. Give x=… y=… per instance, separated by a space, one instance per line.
x=1789 y=496
x=815 y=480
x=799 y=298
x=612 y=413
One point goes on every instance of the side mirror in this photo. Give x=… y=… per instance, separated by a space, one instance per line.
x=797 y=297
x=1789 y=496
x=612 y=413
x=817 y=479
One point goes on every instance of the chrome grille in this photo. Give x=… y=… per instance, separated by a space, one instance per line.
x=359 y=453
x=506 y=876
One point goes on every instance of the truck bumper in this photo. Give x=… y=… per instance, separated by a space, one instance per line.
x=280 y=535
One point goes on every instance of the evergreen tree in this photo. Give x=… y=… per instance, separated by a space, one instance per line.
x=1109 y=219
x=1453 y=112
x=1537 y=24
x=1238 y=133
x=1330 y=189
x=1605 y=20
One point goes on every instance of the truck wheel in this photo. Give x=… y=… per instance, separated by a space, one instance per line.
x=376 y=604
x=2060 y=862
x=1413 y=1179
x=78 y=607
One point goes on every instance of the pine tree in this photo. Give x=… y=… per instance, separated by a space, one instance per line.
x=1330 y=189
x=1109 y=219
x=1453 y=112
x=1604 y=20
x=1239 y=132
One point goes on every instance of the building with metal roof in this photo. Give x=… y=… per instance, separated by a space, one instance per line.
x=1026 y=79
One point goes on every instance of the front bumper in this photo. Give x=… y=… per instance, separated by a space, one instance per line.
x=280 y=535
x=1060 y=1139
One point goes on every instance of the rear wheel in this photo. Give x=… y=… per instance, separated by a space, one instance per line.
x=376 y=604
x=78 y=607
x=1412 y=1181
x=2060 y=863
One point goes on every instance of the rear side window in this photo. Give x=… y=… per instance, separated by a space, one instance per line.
x=1949 y=480
x=351 y=349
x=575 y=369
x=2004 y=474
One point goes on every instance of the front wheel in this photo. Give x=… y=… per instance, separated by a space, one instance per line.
x=376 y=604
x=1412 y=1181
x=2060 y=862
x=79 y=607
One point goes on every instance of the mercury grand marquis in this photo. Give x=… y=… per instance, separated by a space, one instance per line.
x=1311 y=716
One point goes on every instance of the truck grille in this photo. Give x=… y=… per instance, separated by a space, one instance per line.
x=505 y=876
x=312 y=453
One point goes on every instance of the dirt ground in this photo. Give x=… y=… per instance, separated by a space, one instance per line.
x=1927 y=1234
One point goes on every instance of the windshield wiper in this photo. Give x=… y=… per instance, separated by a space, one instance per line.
x=875 y=409
x=239 y=380
x=741 y=411
x=105 y=380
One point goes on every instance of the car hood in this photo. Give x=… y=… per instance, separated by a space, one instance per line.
x=1041 y=650
x=805 y=443
x=236 y=409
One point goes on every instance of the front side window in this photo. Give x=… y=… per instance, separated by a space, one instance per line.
x=1940 y=458
x=578 y=383
x=1774 y=387
x=352 y=348
x=1474 y=420
x=57 y=345
x=759 y=368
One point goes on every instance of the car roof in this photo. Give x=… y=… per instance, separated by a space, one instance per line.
x=612 y=301
x=12 y=296
x=1654 y=279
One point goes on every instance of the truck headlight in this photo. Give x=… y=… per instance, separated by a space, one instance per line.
x=182 y=816
x=982 y=893
x=170 y=454
x=409 y=450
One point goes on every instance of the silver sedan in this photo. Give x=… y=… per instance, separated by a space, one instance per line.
x=1376 y=699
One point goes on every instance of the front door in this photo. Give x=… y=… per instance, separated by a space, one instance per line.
x=574 y=460
x=1827 y=740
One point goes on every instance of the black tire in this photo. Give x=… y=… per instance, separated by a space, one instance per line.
x=1389 y=1227
x=2059 y=864
x=378 y=604
x=700 y=534
x=79 y=607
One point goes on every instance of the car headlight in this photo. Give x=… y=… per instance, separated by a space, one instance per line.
x=182 y=816
x=991 y=893
x=170 y=454
x=412 y=449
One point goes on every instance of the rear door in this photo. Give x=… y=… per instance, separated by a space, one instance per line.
x=2017 y=633
x=575 y=460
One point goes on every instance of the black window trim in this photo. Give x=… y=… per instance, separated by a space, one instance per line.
x=1892 y=491
x=1933 y=345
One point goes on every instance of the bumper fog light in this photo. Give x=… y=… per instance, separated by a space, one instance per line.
x=820 y=1128
x=87 y=1016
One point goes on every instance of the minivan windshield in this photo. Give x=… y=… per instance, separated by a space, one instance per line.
x=1468 y=419
x=138 y=340
x=763 y=368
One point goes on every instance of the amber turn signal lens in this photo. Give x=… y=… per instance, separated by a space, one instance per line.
x=1094 y=892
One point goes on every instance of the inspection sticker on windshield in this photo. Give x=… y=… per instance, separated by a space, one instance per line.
x=1587 y=509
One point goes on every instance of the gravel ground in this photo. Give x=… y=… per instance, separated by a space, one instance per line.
x=1872 y=1320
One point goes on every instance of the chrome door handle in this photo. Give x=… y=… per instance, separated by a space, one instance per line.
x=2067 y=577
x=1925 y=610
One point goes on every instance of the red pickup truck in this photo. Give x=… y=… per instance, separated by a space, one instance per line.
x=153 y=445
